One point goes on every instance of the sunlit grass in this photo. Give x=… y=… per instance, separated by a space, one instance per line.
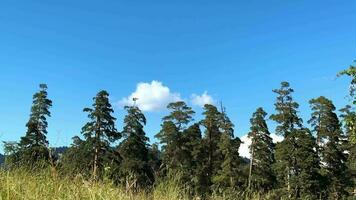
x=47 y=185
x=21 y=184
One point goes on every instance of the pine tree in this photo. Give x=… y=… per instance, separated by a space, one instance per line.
x=227 y=178
x=261 y=176
x=212 y=136
x=286 y=117
x=194 y=167
x=134 y=150
x=171 y=136
x=180 y=114
x=296 y=159
x=196 y=146
x=330 y=140
x=34 y=145
x=226 y=126
x=192 y=173
x=287 y=120
x=100 y=131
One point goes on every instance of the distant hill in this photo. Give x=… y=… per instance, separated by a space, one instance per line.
x=58 y=151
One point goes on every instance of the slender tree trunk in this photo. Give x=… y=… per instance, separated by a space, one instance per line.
x=96 y=151
x=95 y=167
x=250 y=172
x=210 y=153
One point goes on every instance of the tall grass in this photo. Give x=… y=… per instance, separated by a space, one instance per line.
x=21 y=184
x=46 y=185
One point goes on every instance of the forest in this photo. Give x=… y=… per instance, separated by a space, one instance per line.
x=193 y=159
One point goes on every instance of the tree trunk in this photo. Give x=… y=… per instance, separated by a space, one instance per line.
x=96 y=151
x=95 y=167
x=250 y=172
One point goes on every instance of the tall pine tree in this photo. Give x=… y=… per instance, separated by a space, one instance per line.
x=261 y=176
x=171 y=136
x=34 y=145
x=296 y=159
x=287 y=114
x=211 y=139
x=330 y=139
x=194 y=149
x=228 y=175
x=100 y=131
x=287 y=120
x=135 y=168
x=180 y=114
x=296 y=156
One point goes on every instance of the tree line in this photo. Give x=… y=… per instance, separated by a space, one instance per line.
x=203 y=156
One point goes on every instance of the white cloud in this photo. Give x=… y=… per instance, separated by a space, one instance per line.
x=244 y=151
x=201 y=100
x=152 y=96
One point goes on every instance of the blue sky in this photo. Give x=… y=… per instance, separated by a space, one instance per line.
x=235 y=51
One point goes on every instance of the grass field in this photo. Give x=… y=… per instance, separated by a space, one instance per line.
x=21 y=184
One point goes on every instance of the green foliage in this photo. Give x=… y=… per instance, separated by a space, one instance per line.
x=351 y=72
x=297 y=165
x=349 y=117
x=135 y=170
x=101 y=127
x=228 y=175
x=78 y=159
x=171 y=140
x=37 y=124
x=194 y=171
x=95 y=152
x=33 y=147
x=330 y=139
x=171 y=135
x=180 y=145
x=297 y=162
x=155 y=159
x=193 y=179
x=211 y=140
x=261 y=177
x=180 y=115
x=286 y=108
